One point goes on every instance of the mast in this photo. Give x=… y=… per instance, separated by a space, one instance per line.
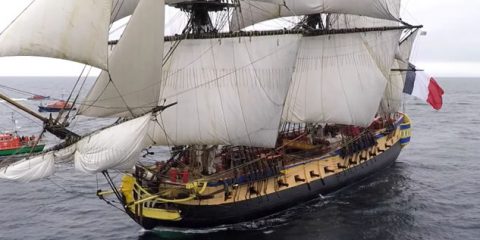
x=311 y=22
x=200 y=21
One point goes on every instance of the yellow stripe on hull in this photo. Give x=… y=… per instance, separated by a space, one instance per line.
x=405 y=131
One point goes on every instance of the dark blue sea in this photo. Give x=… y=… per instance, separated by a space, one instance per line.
x=431 y=192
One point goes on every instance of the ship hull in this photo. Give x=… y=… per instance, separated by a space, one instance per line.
x=200 y=216
x=50 y=109
x=21 y=150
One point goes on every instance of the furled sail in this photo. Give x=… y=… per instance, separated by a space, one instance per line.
x=132 y=85
x=37 y=167
x=75 y=30
x=252 y=12
x=29 y=170
x=117 y=147
x=340 y=78
x=229 y=91
x=392 y=100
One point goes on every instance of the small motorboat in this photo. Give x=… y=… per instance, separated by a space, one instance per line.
x=38 y=97
x=56 y=106
x=13 y=144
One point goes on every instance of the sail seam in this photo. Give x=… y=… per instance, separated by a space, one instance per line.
x=220 y=96
x=239 y=98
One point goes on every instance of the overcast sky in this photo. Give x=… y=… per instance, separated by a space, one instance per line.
x=450 y=48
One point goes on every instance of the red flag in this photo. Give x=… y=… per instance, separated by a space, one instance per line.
x=435 y=93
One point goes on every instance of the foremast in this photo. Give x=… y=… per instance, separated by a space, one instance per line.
x=142 y=42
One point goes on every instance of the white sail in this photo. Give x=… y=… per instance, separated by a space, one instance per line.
x=382 y=46
x=347 y=21
x=37 y=167
x=174 y=2
x=75 y=30
x=392 y=100
x=405 y=49
x=123 y=8
x=229 y=91
x=29 y=169
x=132 y=85
x=252 y=12
x=340 y=78
x=117 y=147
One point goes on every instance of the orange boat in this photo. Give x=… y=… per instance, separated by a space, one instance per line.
x=38 y=97
x=12 y=144
x=56 y=106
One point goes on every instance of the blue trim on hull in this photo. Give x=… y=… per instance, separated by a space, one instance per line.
x=405 y=140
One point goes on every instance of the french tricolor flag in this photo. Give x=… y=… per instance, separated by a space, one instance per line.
x=422 y=86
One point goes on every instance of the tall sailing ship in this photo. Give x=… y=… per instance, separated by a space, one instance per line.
x=256 y=120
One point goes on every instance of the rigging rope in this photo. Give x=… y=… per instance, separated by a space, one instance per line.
x=23 y=92
x=15 y=19
x=76 y=98
x=69 y=97
x=119 y=3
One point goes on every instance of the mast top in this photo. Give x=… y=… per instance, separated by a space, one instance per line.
x=200 y=21
x=207 y=5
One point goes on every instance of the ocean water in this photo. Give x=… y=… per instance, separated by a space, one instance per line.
x=431 y=192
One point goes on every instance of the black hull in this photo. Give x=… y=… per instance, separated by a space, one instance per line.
x=200 y=216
